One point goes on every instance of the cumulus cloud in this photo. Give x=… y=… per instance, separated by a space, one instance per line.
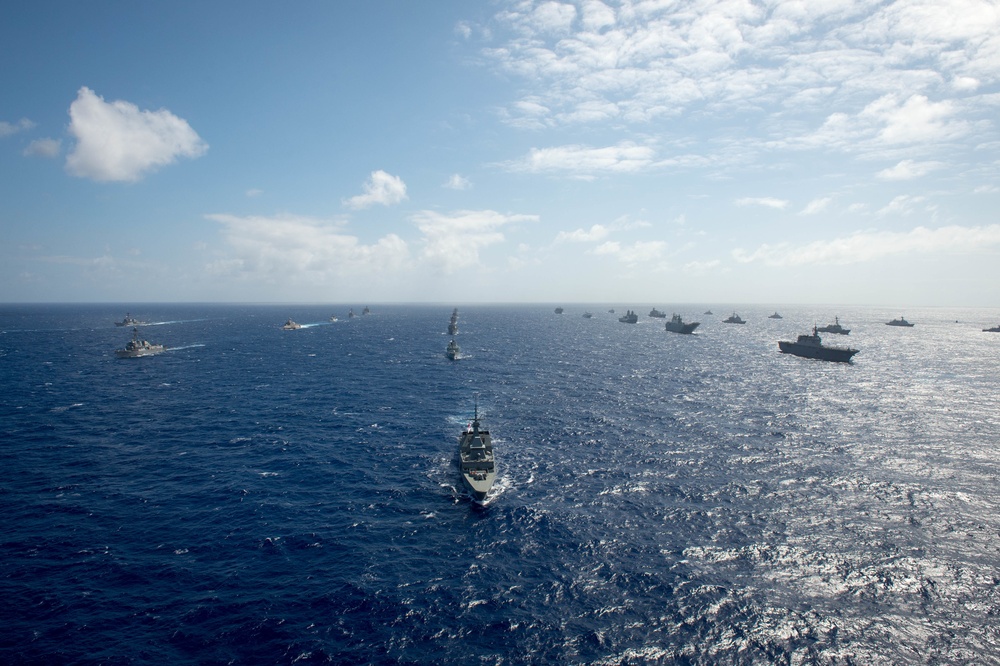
x=458 y=182
x=43 y=148
x=908 y=170
x=901 y=205
x=289 y=248
x=624 y=157
x=769 y=202
x=381 y=188
x=9 y=129
x=118 y=142
x=873 y=245
x=453 y=241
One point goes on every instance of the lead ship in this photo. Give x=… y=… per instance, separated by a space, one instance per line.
x=135 y=347
x=677 y=325
x=811 y=346
x=476 y=461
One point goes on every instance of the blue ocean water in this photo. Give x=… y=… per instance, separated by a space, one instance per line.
x=254 y=495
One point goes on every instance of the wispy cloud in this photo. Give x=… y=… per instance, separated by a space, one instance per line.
x=597 y=232
x=768 y=202
x=908 y=170
x=117 y=142
x=43 y=148
x=873 y=245
x=639 y=252
x=817 y=206
x=453 y=241
x=380 y=188
x=458 y=182
x=10 y=129
x=585 y=161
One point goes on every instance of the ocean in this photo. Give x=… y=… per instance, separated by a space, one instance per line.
x=261 y=496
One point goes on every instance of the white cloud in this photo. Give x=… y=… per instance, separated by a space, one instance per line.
x=381 y=188
x=292 y=248
x=43 y=148
x=118 y=142
x=769 y=202
x=9 y=129
x=901 y=205
x=253 y=193
x=873 y=245
x=625 y=157
x=908 y=170
x=817 y=206
x=640 y=252
x=458 y=182
x=453 y=242
x=596 y=233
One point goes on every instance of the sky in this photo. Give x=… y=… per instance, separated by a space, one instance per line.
x=635 y=153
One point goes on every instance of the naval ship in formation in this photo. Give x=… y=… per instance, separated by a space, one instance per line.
x=475 y=459
x=811 y=346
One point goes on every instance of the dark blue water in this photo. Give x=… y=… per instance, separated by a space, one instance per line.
x=256 y=495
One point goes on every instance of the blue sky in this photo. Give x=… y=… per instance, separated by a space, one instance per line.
x=625 y=152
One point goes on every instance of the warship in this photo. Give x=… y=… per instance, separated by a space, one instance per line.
x=775 y=316
x=475 y=459
x=899 y=322
x=587 y=315
x=629 y=317
x=677 y=325
x=453 y=351
x=135 y=347
x=734 y=319
x=995 y=329
x=559 y=310
x=811 y=346
x=129 y=320
x=835 y=327
x=291 y=326
x=656 y=313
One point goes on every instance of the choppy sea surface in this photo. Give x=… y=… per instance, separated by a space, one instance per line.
x=254 y=495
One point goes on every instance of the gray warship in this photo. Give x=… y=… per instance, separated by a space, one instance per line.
x=475 y=459
x=453 y=352
x=656 y=313
x=629 y=317
x=811 y=346
x=995 y=329
x=291 y=326
x=835 y=327
x=734 y=319
x=135 y=347
x=129 y=320
x=899 y=322
x=677 y=325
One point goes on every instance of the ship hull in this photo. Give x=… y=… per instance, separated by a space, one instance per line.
x=683 y=328
x=822 y=353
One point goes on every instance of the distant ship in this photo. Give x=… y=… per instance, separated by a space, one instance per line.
x=612 y=310
x=734 y=319
x=291 y=326
x=677 y=325
x=559 y=310
x=811 y=346
x=453 y=351
x=775 y=316
x=587 y=315
x=350 y=313
x=135 y=347
x=366 y=311
x=835 y=327
x=629 y=317
x=656 y=313
x=452 y=328
x=333 y=317
x=898 y=322
x=129 y=320
x=475 y=459
x=995 y=329
x=708 y=312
